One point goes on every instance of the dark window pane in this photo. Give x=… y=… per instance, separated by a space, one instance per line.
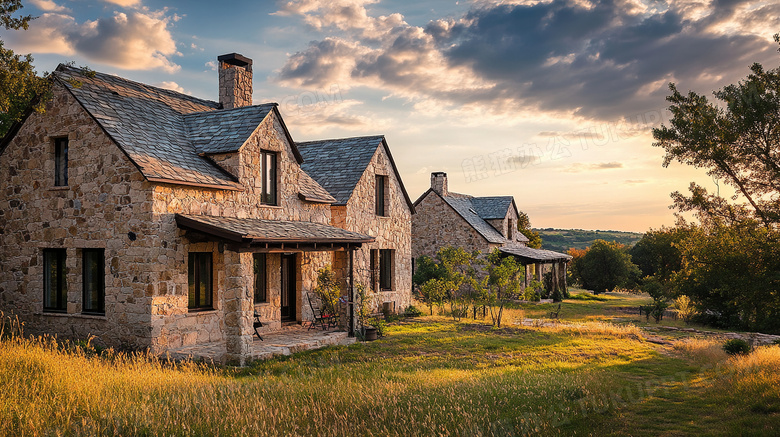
x=380 y=195
x=93 y=280
x=61 y=162
x=386 y=269
x=268 y=189
x=54 y=290
x=261 y=281
x=199 y=280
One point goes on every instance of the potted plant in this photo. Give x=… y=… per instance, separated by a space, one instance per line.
x=365 y=331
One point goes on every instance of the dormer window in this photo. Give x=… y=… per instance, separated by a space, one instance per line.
x=61 y=162
x=268 y=183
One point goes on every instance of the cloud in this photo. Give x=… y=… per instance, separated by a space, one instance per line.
x=580 y=167
x=173 y=86
x=524 y=160
x=124 y=3
x=134 y=41
x=599 y=59
x=635 y=181
x=48 y=6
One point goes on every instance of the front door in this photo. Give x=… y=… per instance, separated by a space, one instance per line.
x=288 y=287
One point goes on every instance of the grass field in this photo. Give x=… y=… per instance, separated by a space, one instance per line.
x=592 y=374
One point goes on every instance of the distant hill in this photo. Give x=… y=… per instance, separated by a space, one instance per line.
x=560 y=240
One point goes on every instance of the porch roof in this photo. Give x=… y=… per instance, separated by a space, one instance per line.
x=272 y=233
x=529 y=255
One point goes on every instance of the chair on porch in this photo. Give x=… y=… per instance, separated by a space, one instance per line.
x=257 y=324
x=320 y=316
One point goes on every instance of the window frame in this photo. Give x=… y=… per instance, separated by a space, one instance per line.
x=60 y=295
x=380 y=191
x=260 y=267
x=61 y=162
x=100 y=284
x=386 y=269
x=374 y=267
x=195 y=280
x=268 y=186
x=510 y=231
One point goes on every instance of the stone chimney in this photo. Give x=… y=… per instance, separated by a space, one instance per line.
x=439 y=183
x=235 y=81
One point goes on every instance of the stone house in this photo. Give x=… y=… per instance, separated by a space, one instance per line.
x=445 y=218
x=152 y=219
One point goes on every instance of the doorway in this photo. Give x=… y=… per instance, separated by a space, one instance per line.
x=288 y=288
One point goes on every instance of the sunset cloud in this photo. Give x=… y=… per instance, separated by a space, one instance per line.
x=580 y=167
x=604 y=59
x=48 y=6
x=134 y=40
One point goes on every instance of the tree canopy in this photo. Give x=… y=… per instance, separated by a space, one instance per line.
x=20 y=86
x=738 y=143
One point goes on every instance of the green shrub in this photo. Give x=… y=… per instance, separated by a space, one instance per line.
x=412 y=311
x=777 y=342
x=736 y=346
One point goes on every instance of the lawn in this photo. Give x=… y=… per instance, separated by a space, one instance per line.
x=429 y=376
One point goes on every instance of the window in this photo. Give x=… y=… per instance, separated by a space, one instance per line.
x=61 y=162
x=381 y=182
x=386 y=269
x=93 y=278
x=261 y=278
x=55 y=294
x=510 y=230
x=199 y=280
x=268 y=184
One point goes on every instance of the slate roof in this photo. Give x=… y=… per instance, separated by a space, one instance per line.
x=465 y=208
x=224 y=131
x=338 y=164
x=269 y=231
x=164 y=132
x=535 y=254
x=310 y=190
x=492 y=207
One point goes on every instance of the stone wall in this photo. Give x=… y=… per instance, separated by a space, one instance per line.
x=392 y=231
x=435 y=224
x=106 y=204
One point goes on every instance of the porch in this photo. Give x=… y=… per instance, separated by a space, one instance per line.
x=287 y=341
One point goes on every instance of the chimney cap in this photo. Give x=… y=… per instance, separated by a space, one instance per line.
x=439 y=173
x=235 y=59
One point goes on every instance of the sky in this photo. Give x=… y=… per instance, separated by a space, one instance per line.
x=552 y=102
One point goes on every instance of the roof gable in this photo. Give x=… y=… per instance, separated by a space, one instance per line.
x=165 y=133
x=492 y=207
x=465 y=208
x=338 y=164
x=224 y=131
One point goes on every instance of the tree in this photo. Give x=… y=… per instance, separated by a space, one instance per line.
x=524 y=227
x=444 y=279
x=606 y=266
x=20 y=86
x=731 y=272
x=657 y=254
x=738 y=144
x=730 y=260
x=500 y=284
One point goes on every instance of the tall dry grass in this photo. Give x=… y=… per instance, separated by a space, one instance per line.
x=54 y=388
